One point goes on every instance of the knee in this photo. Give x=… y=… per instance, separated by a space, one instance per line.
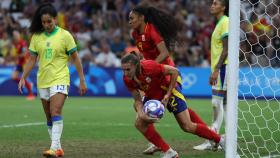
x=55 y=112
x=189 y=128
x=217 y=101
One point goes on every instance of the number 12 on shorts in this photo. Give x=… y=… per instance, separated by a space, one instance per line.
x=60 y=87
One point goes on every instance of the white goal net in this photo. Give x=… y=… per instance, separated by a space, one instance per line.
x=259 y=79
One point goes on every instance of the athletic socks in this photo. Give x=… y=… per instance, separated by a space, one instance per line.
x=49 y=125
x=56 y=132
x=152 y=135
x=195 y=118
x=217 y=102
x=205 y=132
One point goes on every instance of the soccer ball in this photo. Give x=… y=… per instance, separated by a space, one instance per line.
x=154 y=108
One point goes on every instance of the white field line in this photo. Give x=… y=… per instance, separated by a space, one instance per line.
x=270 y=156
x=22 y=125
x=83 y=124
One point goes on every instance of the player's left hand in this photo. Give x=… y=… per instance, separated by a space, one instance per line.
x=214 y=77
x=21 y=84
x=83 y=88
x=165 y=99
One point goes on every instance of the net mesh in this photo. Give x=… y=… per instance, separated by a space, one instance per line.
x=259 y=79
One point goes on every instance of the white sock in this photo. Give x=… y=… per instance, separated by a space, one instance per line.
x=50 y=131
x=56 y=134
x=49 y=126
x=217 y=103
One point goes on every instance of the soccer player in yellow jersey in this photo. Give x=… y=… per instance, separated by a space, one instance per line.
x=52 y=46
x=219 y=53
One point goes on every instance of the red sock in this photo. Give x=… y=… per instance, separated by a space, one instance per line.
x=152 y=135
x=205 y=132
x=28 y=87
x=195 y=118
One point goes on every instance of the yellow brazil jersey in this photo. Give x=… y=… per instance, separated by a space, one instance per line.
x=220 y=31
x=53 y=50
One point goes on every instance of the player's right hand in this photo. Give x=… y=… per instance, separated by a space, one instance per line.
x=83 y=88
x=143 y=116
x=21 y=84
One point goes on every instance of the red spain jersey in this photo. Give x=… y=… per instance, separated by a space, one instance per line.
x=147 y=43
x=21 y=48
x=152 y=78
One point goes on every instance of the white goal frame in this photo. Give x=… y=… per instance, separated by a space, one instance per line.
x=232 y=90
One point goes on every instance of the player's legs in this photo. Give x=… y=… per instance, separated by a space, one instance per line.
x=150 y=133
x=177 y=105
x=218 y=96
x=56 y=96
x=15 y=77
x=184 y=121
x=46 y=107
x=56 y=105
x=218 y=109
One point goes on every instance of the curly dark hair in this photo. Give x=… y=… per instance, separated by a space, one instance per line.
x=36 y=24
x=166 y=25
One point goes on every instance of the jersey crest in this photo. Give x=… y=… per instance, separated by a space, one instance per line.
x=148 y=79
x=143 y=38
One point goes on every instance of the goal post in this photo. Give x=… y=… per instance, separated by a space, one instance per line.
x=233 y=67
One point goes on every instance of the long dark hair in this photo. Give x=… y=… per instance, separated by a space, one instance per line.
x=36 y=24
x=226 y=4
x=166 y=25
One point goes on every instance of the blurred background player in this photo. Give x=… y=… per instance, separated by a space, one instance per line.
x=156 y=33
x=218 y=78
x=53 y=46
x=145 y=75
x=22 y=54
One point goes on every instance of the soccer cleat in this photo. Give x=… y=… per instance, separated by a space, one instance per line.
x=222 y=142
x=53 y=153
x=170 y=153
x=151 y=149
x=204 y=146
x=30 y=97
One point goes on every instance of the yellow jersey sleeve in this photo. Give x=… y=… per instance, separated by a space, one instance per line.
x=70 y=44
x=32 y=46
x=224 y=28
x=219 y=33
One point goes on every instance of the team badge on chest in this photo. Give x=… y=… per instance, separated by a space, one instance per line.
x=148 y=79
x=48 y=43
x=143 y=38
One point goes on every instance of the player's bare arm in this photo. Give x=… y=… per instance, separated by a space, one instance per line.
x=78 y=65
x=30 y=64
x=173 y=72
x=138 y=106
x=163 y=52
x=214 y=75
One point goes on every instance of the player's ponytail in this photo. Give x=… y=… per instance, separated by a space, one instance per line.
x=36 y=24
x=166 y=25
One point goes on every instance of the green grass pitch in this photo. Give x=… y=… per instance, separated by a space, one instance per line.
x=93 y=128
